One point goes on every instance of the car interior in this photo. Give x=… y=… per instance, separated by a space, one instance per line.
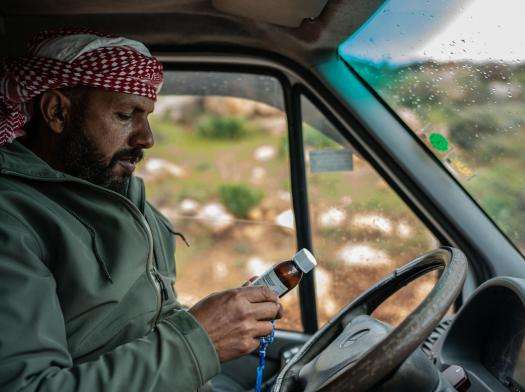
x=459 y=258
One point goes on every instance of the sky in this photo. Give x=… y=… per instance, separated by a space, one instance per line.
x=403 y=31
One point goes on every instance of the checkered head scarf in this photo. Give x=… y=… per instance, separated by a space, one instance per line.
x=69 y=58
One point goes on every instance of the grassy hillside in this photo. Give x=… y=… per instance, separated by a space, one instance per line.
x=480 y=108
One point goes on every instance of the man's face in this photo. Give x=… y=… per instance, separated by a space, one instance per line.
x=104 y=137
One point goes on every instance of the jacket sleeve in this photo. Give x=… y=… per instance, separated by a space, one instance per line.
x=176 y=356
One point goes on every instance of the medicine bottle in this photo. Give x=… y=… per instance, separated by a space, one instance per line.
x=284 y=276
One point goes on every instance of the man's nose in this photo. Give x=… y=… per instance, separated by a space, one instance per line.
x=142 y=137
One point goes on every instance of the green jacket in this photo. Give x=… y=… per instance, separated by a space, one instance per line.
x=86 y=301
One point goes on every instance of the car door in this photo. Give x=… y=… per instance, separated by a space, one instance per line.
x=249 y=170
x=220 y=171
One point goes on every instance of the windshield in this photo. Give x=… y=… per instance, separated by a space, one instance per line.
x=454 y=72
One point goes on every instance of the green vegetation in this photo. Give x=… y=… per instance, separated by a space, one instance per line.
x=222 y=127
x=481 y=109
x=239 y=199
x=208 y=163
x=315 y=139
x=470 y=127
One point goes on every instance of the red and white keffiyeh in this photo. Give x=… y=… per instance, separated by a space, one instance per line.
x=68 y=58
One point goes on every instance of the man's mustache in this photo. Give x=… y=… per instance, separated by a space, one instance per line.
x=136 y=154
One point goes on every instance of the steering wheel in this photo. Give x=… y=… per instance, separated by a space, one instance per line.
x=353 y=351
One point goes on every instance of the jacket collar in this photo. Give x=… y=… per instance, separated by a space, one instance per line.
x=18 y=160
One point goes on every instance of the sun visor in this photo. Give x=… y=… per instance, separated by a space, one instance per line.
x=289 y=13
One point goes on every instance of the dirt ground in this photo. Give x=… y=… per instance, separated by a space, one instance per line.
x=225 y=264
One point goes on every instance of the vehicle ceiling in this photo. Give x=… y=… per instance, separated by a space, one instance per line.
x=179 y=24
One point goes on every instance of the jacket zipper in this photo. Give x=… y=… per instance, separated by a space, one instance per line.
x=151 y=269
x=163 y=289
x=155 y=280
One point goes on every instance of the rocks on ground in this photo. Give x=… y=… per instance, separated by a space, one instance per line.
x=363 y=255
x=215 y=217
x=155 y=168
x=286 y=220
x=332 y=218
x=264 y=153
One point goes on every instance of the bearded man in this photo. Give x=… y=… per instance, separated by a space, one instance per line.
x=86 y=298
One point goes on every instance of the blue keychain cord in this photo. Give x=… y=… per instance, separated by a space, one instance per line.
x=263 y=344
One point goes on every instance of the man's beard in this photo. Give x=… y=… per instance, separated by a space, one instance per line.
x=81 y=157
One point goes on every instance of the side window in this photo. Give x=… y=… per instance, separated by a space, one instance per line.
x=219 y=171
x=361 y=229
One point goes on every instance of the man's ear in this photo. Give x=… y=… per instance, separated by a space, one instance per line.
x=55 y=108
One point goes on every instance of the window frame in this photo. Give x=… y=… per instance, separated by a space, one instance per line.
x=346 y=116
x=307 y=298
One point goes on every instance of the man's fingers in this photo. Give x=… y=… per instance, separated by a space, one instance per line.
x=263 y=328
x=279 y=312
x=257 y=294
x=266 y=311
x=249 y=282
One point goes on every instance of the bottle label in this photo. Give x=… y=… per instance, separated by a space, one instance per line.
x=270 y=279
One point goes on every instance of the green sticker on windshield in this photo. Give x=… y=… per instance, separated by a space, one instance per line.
x=438 y=141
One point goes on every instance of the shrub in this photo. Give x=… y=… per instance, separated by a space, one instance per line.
x=219 y=127
x=283 y=149
x=471 y=127
x=239 y=199
x=316 y=139
x=500 y=189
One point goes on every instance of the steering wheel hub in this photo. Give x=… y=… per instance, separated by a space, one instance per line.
x=354 y=338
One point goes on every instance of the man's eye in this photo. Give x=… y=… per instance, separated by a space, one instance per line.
x=124 y=116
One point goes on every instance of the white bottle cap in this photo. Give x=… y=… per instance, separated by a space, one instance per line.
x=305 y=260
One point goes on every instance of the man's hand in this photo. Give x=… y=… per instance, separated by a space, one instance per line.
x=235 y=319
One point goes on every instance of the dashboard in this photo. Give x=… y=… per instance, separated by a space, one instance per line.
x=487 y=337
